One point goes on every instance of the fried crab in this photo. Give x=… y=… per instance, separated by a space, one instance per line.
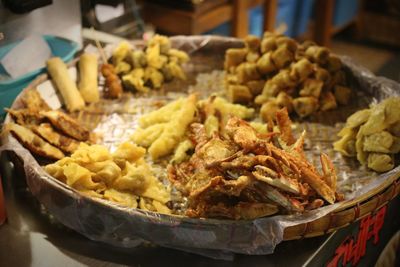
x=239 y=173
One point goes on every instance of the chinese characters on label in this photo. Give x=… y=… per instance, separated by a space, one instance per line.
x=353 y=248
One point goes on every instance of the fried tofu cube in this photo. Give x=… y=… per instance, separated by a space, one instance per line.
x=289 y=43
x=328 y=101
x=268 y=44
x=268 y=110
x=305 y=106
x=284 y=80
x=265 y=64
x=342 y=94
x=261 y=99
x=270 y=89
x=239 y=94
x=334 y=63
x=256 y=87
x=282 y=57
x=301 y=69
x=318 y=54
x=252 y=42
x=285 y=100
x=247 y=72
x=252 y=56
x=322 y=75
x=234 y=57
x=311 y=87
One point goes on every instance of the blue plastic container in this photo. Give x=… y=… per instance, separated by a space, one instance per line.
x=344 y=12
x=303 y=14
x=9 y=89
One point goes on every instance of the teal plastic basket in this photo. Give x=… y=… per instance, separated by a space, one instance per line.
x=9 y=89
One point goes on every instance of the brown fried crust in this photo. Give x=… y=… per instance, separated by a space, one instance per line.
x=33 y=142
x=66 y=124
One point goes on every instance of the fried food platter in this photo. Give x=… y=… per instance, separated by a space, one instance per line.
x=103 y=221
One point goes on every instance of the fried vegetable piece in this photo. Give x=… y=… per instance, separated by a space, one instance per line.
x=174 y=130
x=282 y=57
x=154 y=76
x=227 y=109
x=134 y=80
x=318 y=54
x=347 y=144
x=268 y=44
x=252 y=42
x=179 y=54
x=268 y=110
x=358 y=118
x=285 y=100
x=311 y=87
x=301 y=69
x=145 y=137
x=378 y=142
x=265 y=64
x=255 y=87
x=247 y=72
x=33 y=142
x=305 y=106
x=60 y=141
x=328 y=101
x=138 y=59
x=342 y=94
x=380 y=162
x=66 y=124
x=239 y=94
x=234 y=57
x=163 y=114
x=376 y=121
x=121 y=52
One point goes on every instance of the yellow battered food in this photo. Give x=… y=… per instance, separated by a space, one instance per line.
x=123 y=176
x=371 y=135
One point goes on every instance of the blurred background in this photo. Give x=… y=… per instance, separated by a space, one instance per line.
x=367 y=30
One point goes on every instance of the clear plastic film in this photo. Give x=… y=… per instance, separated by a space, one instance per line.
x=113 y=224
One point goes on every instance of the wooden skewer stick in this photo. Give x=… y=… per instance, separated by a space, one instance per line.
x=99 y=47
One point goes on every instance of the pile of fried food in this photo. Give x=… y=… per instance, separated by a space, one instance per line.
x=132 y=69
x=141 y=70
x=164 y=131
x=48 y=133
x=229 y=168
x=122 y=177
x=373 y=135
x=277 y=72
x=239 y=173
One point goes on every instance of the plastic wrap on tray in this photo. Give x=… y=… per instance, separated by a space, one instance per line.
x=115 y=225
